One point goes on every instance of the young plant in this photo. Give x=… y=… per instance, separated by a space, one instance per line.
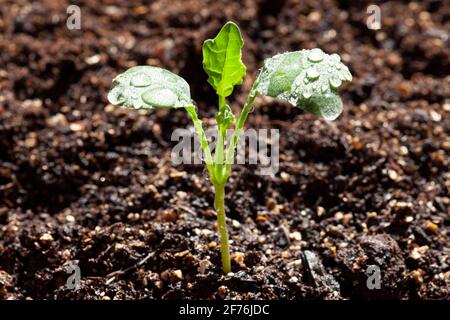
x=307 y=79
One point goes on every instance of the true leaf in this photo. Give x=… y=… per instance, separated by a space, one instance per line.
x=149 y=87
x=222 y=59
x=308 y=79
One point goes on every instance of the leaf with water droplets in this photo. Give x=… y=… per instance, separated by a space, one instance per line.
x=149 y=87
x=308 y=79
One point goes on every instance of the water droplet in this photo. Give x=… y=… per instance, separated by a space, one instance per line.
x=324 y=88
x=115 y=96
x=169 y=76
x=312 y=73
x=306 y=80
x=336 y=58
x=335 y=82
x=140 y=80
x=347 y=75
x=306 y=93
x=315 y=55
x=159 y=98
x=137 y=103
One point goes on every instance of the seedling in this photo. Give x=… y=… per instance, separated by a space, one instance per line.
x=307 y=79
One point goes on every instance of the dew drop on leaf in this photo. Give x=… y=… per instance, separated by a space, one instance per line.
x=335 y=57
x=312 y=73
x=335 y=82
x=115 y=95
x=347 y=74
x=306 y=93
x=315 y=55
x=163 y=98
x=140 y=80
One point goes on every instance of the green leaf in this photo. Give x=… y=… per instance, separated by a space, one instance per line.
x=148 y=88
x=222 y=59
x=308 y=79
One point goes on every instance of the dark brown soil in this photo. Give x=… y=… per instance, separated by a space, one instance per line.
x=84 y=183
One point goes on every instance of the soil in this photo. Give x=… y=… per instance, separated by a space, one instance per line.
x=84 y=183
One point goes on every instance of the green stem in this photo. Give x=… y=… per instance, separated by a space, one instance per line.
x=219 y=204
x=219 y=152
x=238 y=128
x=202 y=136
x=219 y=165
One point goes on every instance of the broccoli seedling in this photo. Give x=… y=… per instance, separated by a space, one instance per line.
x=307 y=79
